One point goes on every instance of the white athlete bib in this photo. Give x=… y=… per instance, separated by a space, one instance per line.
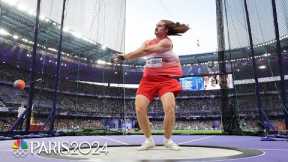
x=154 y=62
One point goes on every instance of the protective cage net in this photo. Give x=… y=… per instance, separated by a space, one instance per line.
x=89 y=99
x=271 y=115
x=93 y=31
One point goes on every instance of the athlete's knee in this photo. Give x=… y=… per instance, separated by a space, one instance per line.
x=140 y=109
x=169 y=109
x=141 y=104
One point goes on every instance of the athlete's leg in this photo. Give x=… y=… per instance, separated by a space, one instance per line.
x=141 y=106
x=168 y=102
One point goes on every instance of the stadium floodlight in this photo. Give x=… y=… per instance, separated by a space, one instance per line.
x=104 y=47
x=31 y=12
x=22 y=7
x=15 y=37
x=30 y=42
x=101 y=62
x=78 y=35
x=66 y=29
x=42 y=17
x=88 y=40
x=11 y=2
x=46 y=19
x=52 y=49
x=262 y=67
x=24 y=40
x=4 y=32
x=54 y=23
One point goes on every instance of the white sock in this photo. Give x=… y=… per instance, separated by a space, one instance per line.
x=149 y=138
x=167 y=139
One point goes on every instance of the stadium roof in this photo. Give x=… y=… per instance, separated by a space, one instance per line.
x=21 y=25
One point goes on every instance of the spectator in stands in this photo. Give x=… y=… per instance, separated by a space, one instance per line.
x=21 y=109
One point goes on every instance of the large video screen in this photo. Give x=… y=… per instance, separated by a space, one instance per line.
x=198 y=83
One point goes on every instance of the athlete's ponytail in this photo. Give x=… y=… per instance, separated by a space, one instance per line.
x=175 y=28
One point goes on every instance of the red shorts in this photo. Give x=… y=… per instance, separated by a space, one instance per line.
x=151 y=87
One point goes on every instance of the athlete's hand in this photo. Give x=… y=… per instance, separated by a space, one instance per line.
x=117 y=58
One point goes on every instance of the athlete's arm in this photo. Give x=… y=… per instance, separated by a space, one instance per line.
x=162 y=46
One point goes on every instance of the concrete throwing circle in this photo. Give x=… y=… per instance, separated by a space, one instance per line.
x=190 y=153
